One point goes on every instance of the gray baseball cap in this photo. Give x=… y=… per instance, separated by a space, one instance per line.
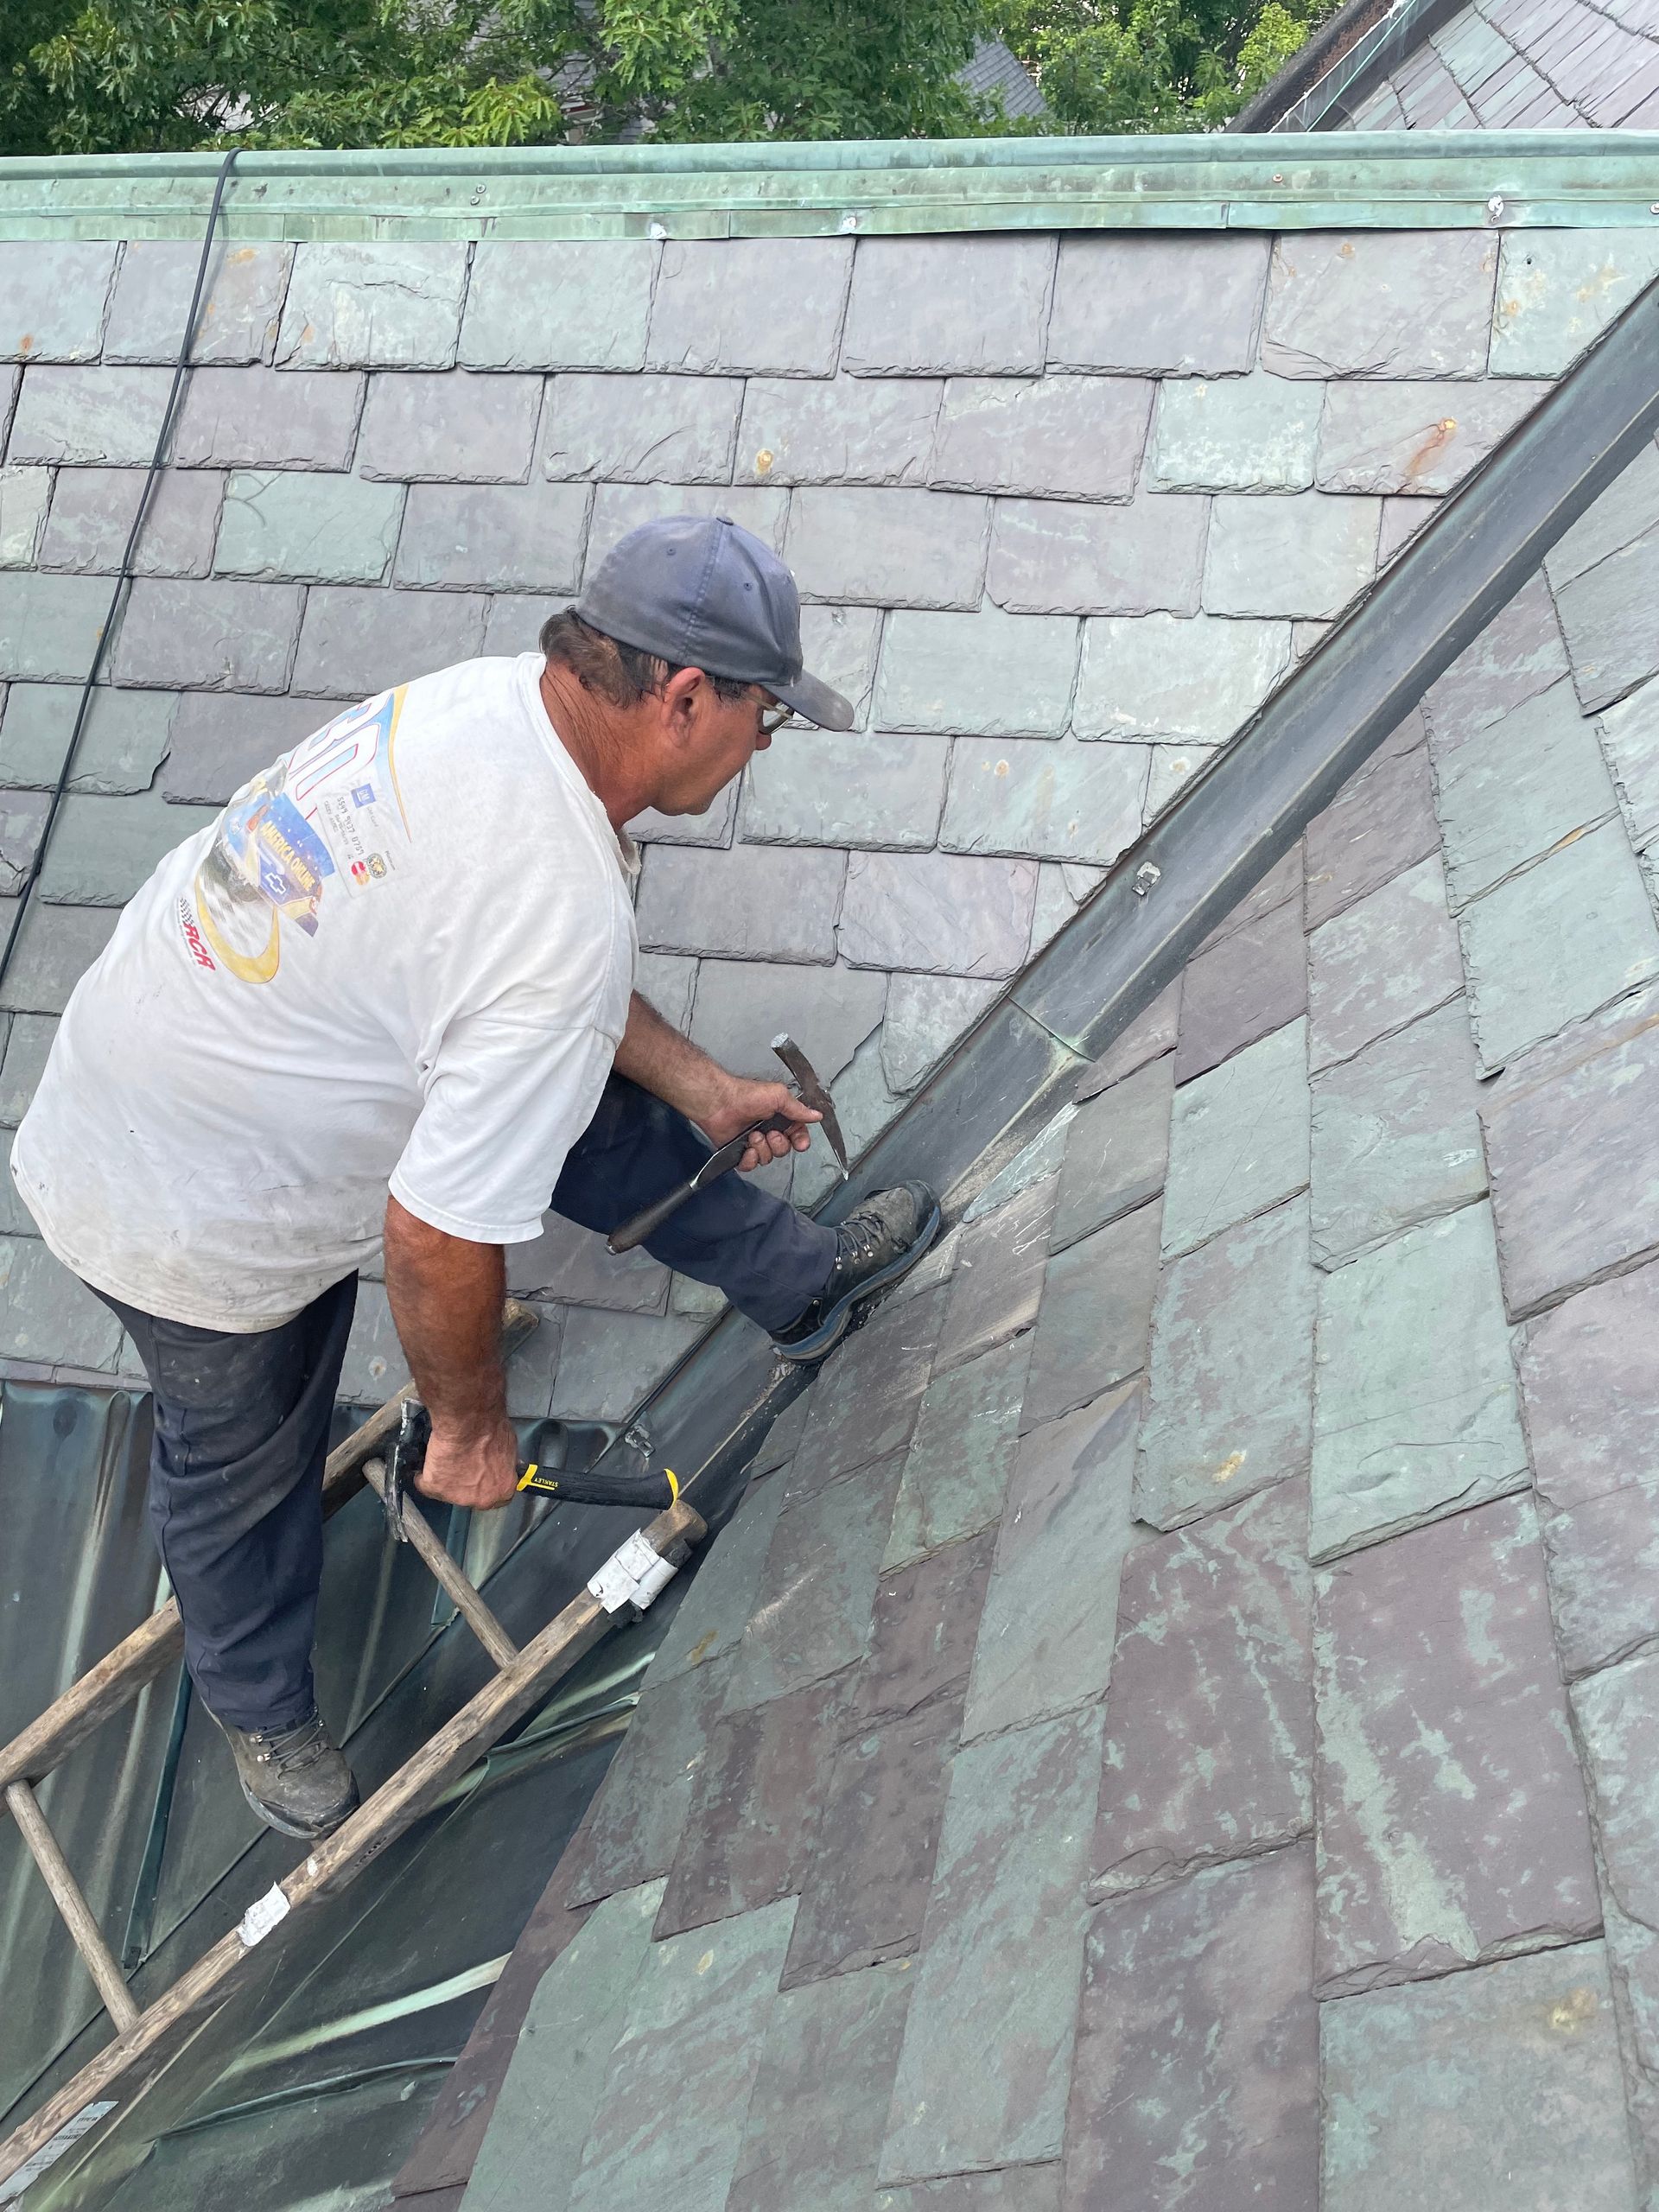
x=700 y=593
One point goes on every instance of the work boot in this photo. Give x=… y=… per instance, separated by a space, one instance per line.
x=879 y=1241
x=296 y=1779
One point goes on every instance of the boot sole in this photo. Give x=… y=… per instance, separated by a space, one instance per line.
x=836 y=1324
x=289 y=1827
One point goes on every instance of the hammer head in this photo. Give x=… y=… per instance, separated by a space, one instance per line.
x=813 y=1094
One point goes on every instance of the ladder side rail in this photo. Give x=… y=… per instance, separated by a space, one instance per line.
x=124 y=2067
x=461 y=1592
x=73 y=1908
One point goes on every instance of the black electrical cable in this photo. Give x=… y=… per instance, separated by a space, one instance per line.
x=123 y=579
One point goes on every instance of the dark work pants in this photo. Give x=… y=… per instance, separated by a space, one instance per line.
x=242 y=1421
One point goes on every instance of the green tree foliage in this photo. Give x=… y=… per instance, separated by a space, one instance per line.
x=97 y=76
x=1111 y=66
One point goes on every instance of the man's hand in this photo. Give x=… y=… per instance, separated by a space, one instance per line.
x=747 y=1104
x=471 y=1468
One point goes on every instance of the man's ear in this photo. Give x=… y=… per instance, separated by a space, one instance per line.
x=683 y=696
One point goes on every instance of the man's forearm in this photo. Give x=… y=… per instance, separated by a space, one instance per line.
x=659 y=1060
x=446 y=1296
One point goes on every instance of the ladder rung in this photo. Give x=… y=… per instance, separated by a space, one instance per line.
x=75 y=1912
x=154 y=1644
x=462 y=1593
x=124 y=2067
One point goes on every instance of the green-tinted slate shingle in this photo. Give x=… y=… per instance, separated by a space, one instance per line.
x=1092 y=1323
x=1500 y=2086
x=557 y=2073
x=1516 y=789
x=1388 y=959
x=1001 y=1958
x=867 y=1400
x=1231 y=1375
x=956 y=1472
x=1618 y=1717
x=1011 y=2188
x=633 y=1828
x=1117 y=1150
x=715 y=1610
x=558 y=303
x=669 y=2128
x=103 y=849
x=1045 y=1633
x=313 y=529
x=1238 y=1139
x=1557 y=290
x=997 y=1282
x=50 y=626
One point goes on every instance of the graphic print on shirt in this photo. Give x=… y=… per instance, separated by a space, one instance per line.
x=329 y=810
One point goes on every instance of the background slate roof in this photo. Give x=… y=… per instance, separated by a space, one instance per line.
x=1172 y=1719
x=1057 y=541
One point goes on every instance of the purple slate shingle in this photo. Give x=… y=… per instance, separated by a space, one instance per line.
x=1452 y=1824
x=997 y=1282
x=267 y=418
x=1197 y=2072
x=1518 y=654
x=1214 y=1638
x=1117 y=1154
x=1011 y=2188
x=1603 y=1558
x=1383 y=822
x=868 y=1401
x=923 y=1627
x=1381 y=965
x=633 y=1828
x=865 y=1883
x=1253 y=982
x=1590 y=1391
x=747 y=1838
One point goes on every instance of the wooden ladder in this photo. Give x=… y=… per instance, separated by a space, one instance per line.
x=146 y=2040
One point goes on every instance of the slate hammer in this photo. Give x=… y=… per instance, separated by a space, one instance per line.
x=808 y=1090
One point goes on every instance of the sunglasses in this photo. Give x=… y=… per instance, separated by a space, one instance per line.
x=776 y=717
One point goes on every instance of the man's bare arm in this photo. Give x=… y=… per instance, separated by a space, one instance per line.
x=659 y=1060
x=445 y=1297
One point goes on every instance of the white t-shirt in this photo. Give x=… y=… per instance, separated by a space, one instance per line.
x=400 y=958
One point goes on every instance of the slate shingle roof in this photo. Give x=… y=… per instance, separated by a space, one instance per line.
x=1058 y=543
x=1172 y=1718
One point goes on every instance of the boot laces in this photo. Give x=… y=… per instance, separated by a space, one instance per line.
x=290 y=1750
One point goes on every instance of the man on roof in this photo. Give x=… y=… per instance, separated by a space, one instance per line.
x=385 y=1004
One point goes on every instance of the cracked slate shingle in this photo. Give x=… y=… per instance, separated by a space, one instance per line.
x=1062 y=801
x=893 y=545
x=568 y=1261
x=1396 y=1136
x=1010 y=2189
x=1432 y=2093
x=54 y=291
x=748 y=1833
x=1001 y=1958
x=1054 y=437
x=127 y=734
x=1198 y=2049
x=820 y=2104
x=27 y=1042
x=1558 y=289
x=957 y=1469
x=704 y=316
x=640 y=429
x=997 y=1283
x=697 y=2016
x=813 y=1602
x=103 y=849
x=312 y=529
x=212 y=636
x=1415 y=1411
x=999 y=288
x=1419 y=439
x=741 y=1004
x=217 y=743
x=1452 y=1824
x=1253 y=982
x=386 y=304
x=1388 y=959
x=838 y=429
x=1231 y=1370
x=24 y=493
x=1517 y=789
x=1051 y=557
x=908 y=910
x=1238 y=1139
x=1214 y=1636
x=456 y=428
x=556 y=2073
x=1380 y=303
x=47 y=1314
x=1116 y=1153
x=1148 y=1036
x=1383 y=821
x=558 y=303
x=259 y=417
x=983 y=675
x=1197 y=677
x=1045 y=1633
x=1281 y=883
x=925 y=1016
x=1550 y=945
x=1572 y=1148
x=239 y=316
x=1518 y=654
x=609 y=1362
x=1631 y=734
x=1096 y=1310
x=1187 y=307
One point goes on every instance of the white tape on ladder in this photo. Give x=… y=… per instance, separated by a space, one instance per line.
x=634 y=1573
x=262 y=1916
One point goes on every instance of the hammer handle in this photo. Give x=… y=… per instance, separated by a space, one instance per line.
x=652 y=1216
